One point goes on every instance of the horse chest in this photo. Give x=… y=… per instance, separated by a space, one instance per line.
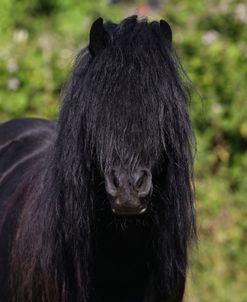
x=122 y=266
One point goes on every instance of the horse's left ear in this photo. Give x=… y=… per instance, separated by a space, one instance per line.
x=98 y=37
x=166 y=30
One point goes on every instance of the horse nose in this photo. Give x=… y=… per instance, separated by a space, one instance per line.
x=138 y=182
x=128 y=190
x=142 y=182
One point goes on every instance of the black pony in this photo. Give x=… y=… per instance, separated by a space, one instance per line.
x=99 y=205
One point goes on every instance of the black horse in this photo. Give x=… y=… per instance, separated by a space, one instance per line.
x=99 y=205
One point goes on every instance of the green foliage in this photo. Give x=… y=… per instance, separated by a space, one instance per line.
x=39 y=40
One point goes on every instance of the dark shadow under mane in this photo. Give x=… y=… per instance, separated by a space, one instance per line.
x=125 y=103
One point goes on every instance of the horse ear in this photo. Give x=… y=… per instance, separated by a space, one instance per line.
x=166 y=30
x=97 y=37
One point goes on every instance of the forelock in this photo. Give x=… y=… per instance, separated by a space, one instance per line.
x=131 y=95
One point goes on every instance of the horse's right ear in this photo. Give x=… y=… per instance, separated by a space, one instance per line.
x=98 y=37
x=166 y=30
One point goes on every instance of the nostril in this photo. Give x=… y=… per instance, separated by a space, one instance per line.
x=139 y=183
x=115 y=181
x=143 y=182
x=112 y=183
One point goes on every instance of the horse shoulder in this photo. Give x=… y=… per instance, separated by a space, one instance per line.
x=23 y=142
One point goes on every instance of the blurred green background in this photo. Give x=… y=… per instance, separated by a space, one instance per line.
x=38 y=42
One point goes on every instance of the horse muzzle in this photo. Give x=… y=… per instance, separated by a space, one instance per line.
x=127 y=191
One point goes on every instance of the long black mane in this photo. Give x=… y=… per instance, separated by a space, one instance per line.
x=128 y=103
